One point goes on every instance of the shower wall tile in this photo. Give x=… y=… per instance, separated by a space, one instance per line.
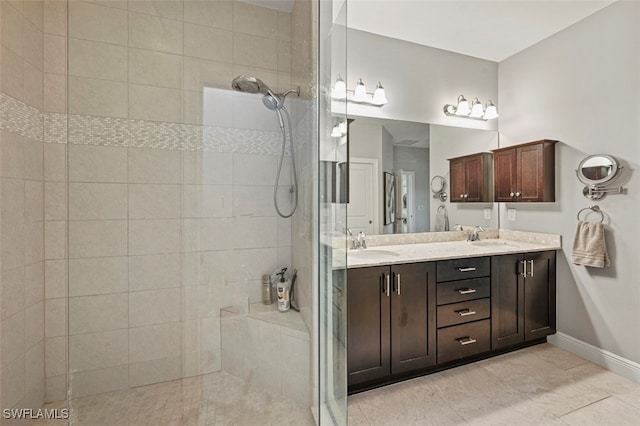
x=55 y=93
x=12 y=78
x=155 y=103
x=33 y=160
x=97 y=164
x=169 y=9
x=255 y=51
x=55 y=284
x=255 y=20
x=12 y=381
x=101 y=275
x=12 y=28
x=255 y=232
x=284 y=26
x=94 y=201
x=33 y=12
x=208 y=168
x=155 y=342
x=55 y=201
x=33 y=200
x=217 y=14
x=32 y=44
x=252 y=264
x=55 y=159
x=256 y=170
x=55 y=17
x=13 y=338
x=155 y=272
x=99 y=381
x=148 y=201
x=33 y=326
x=154 y=307
x=56 y=356
x=155 y=236
x=155 y=166
x=55 y=387
x=155 y=371
x=12 y=288
x=11 y=155
x=34 y=284
x=208 y=43
x=91 y=314
x=202 y=201
x=155 y=68
x=97 y=60
x=98 y=350
x=284 y=56
x=112 y=235
x=200 y=73
x=55 y=54
x=34 y=242
x=217 y=107
x=154 y=33
x=208 y=234
x=55 y=239
x=98 y=23
x=252 y=201
x=33 y=86
x=97 y=97
x=55 y=316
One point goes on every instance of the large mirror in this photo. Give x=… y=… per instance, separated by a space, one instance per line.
x=414 y=153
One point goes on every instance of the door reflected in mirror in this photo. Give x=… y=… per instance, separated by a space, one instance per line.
x=409 y=155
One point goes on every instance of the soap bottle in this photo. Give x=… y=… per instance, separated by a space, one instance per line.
x=283 y=287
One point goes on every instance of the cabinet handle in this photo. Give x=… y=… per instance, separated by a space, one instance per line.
x=518 y=194
x=466 y=340
x=398 y=285
x=465 y=312
x=466 y=290
x=524 y=273
x=466 y=195
x=469 y=269
x=386 y=278
x=461 y=195
x=512 y=194
x=531 y=264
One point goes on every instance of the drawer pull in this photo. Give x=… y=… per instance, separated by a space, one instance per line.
x=387 y=284
x=465 y=312
x=466 y=340
x=469 y=269
x=466 y=290
x=398 y=285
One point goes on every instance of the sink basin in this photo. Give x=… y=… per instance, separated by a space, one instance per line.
x=371 y=254
x=489 y=243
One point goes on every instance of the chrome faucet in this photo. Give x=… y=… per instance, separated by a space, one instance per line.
x=358 y=242
x=473 y=235
x=362 y=243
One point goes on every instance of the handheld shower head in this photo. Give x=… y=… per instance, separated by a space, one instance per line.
x=272 y=101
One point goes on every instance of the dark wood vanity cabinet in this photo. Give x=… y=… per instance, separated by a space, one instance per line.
x=525 y=173
x=523 y=302
x=390 y=321
x=471 y=178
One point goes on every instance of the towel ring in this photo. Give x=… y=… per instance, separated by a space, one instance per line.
x=595 y=209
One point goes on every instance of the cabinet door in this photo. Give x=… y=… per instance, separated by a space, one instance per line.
x=504 y=166
x=507 y=301
x=456 y=175
x=368 y=351
x=474 y=179
x=530 y=173
x=413 y=317
x=540 y=295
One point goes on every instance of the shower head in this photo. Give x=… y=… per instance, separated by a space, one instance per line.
x=248 y=84
x=273 y=101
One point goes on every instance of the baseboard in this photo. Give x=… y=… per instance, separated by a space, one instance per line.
x=606 y=359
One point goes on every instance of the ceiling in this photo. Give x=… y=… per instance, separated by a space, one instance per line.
x=491 y=30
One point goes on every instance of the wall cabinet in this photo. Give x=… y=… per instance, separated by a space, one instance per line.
x=390 y=321
x=471 y=178
x=523 y=302
x=525 y=173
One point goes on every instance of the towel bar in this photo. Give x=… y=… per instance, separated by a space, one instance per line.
x=594 y=208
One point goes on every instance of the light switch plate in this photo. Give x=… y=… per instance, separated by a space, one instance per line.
x=487 y=213
x=511 y=214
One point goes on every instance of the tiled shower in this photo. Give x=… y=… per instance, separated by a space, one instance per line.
x=136 y=191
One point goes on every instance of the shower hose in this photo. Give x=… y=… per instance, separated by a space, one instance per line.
x=294 y=189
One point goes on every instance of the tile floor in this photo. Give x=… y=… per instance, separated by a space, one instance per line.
x=541 y=385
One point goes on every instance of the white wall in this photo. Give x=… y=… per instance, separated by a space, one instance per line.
x=418 y=80
x=450 y=142
x=581 y=87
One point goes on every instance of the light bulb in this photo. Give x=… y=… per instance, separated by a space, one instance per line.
x=490 y=111
x=379 y=96
x=476 y=109
x=360 y=94
x=342 y=127
x=463 y=106
x=339 y=89
x=335 y=132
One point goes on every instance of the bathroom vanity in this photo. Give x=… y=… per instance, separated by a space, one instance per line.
x=417 y=308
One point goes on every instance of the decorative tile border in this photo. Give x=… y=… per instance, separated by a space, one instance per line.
x=18 y=117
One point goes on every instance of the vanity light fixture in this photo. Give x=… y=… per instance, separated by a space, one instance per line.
x=359 y=95
x=339 y=130
x=476 y=111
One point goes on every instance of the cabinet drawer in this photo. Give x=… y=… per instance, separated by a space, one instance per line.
x=460 y=269
x=460 y=291
x=465 y=340
x=460 y=313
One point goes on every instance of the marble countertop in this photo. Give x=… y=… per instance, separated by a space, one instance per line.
x=426 y=252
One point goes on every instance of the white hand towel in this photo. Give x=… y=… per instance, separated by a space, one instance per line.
x=589 y=246
x=442 y=219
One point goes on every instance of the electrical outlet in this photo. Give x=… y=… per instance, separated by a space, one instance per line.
x=487 y=213
x=511 y=214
